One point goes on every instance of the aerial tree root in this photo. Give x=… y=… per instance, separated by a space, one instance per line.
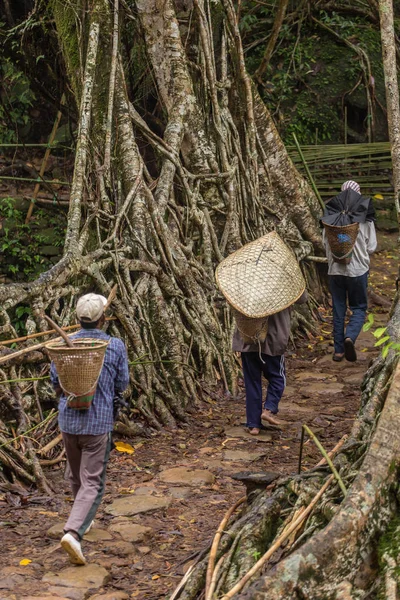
x=158 y=197
x=325 y=556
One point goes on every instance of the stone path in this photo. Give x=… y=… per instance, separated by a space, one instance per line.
x=164 y=502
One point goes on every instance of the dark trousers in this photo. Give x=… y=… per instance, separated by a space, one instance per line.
x=87 y=457
x=351 y=292
x=273 y=369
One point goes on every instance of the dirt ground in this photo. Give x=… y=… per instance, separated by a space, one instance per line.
x=144 y=555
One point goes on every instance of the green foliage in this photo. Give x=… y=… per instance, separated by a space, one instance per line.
x=21 y=245
x=16 y=98
x=385 y=341
x=312 y=73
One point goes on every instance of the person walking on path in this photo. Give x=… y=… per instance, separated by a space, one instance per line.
x=87 y=433
x=348 y=279
x=268 y=360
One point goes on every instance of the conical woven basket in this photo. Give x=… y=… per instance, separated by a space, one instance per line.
x=78 y=368
x=261 y=278
x=251 y=330
x=341 y=241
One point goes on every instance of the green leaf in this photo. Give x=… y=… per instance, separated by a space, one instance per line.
x=367 y=326
x=379 y=332
x=382 y=341
x=385 y=351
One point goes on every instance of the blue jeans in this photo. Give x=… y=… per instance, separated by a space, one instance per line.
x=352 y=292
x=273 y=370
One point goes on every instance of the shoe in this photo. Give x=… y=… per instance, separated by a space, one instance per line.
x=254 y=431
x=89 y=527
x=349 y=350
x=337 y=357
x=268 y=416
x=73 y=548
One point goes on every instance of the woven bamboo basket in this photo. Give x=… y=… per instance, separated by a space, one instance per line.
x=78 y=368
x=251 y=330
x=258 y=280
x=341 y=241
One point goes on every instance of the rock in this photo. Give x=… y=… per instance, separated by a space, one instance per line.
x=187 y=476
x=145 y=491
x=86 y=576
x=110 y=596
x=387 y=225
x=134 y=505
x=242 y=455
x=326 y=389
x=120 y=548
x=70 y=593
x=312 y=376
x=56 y=531
x=97 y=535
x=144 y=549
x=254 y=481
x=11 y=582
x=180 y=492
x=290 y=390
x=131 y=532
x=355 y=379
x=241 y=432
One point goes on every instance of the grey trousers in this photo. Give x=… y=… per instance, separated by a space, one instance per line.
x=87 y=457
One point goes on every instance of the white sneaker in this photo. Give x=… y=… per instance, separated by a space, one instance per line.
x=89 y=527
x=73 y=547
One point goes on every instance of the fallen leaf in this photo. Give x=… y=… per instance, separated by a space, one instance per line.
x=123 y=447
x=24 y=561
x=156 y=577
x=364 y=350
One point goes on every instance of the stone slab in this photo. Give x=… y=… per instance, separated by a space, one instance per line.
x=241 y=432
x=97 y=535
x=70 y=593
x=110 y=596
x=326 y=389
x=135 y=505
x=131 y=532
x=242 y=455
x=314 y=376
x=86 y=576
x=187 y=476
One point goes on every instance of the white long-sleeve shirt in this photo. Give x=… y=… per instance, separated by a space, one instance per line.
x=365 y=245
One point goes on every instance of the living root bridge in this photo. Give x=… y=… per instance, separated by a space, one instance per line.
x=324 y=558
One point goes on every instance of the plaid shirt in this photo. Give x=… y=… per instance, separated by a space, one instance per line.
x=114 y=377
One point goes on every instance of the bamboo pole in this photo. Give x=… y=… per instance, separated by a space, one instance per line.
x=44 y=161
x=283 y=537
x=314 y=187
x=42 y=333
x=215 y=544
x=327 y=458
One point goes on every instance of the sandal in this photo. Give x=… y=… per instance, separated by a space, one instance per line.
x=338 y=357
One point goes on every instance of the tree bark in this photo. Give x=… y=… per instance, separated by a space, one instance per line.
x=175 y=178
x=392 y=92
x=325 y=558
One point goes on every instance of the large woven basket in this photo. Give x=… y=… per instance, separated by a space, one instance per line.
x=251 y=330
x=261 y=278
x=78 y=368
x=341 y=241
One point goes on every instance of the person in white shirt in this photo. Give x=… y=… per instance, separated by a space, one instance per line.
x=348 y=282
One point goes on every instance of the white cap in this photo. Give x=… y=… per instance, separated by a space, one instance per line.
x=90 y=307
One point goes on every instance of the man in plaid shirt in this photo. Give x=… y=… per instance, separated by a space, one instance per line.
x=87 y=433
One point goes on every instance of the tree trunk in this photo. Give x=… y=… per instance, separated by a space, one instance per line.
x=175 y=175
x=392 y=92
x=347 y=547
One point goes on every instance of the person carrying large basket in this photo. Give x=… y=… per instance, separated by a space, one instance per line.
x=349 y=238
x=261 y=281
x=88 y=377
